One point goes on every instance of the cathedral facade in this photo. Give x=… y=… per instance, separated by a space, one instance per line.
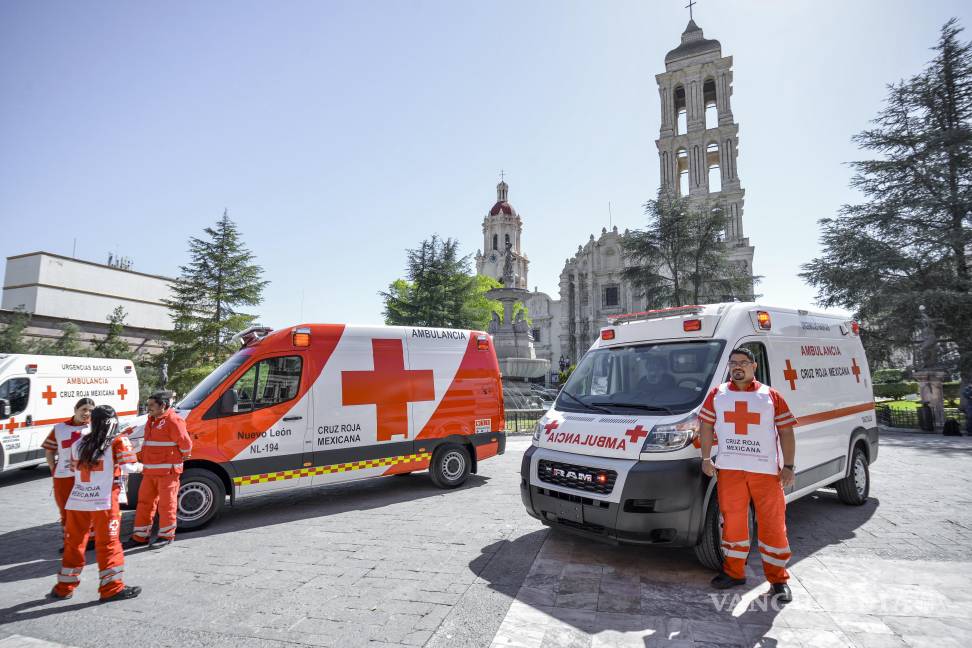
x=697 y=148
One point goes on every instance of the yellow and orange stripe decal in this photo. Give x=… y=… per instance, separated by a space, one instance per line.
x=282 y=475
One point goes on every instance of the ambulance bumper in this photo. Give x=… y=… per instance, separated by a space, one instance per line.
x=660 y=503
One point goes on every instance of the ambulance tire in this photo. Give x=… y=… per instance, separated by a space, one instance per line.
x=708 y=551
x=854 y=489
x=201 y=498
x=450 y=466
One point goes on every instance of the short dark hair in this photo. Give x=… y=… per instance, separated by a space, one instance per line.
x=742 y=351
x=163 y=398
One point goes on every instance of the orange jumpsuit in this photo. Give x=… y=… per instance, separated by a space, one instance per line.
x=748 y=458
x=166 y=446
x=94 y=502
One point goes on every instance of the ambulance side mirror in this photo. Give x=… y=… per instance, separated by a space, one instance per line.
x=228 y=402
x=4 y=408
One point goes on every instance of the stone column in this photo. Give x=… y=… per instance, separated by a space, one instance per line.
x=931 y=390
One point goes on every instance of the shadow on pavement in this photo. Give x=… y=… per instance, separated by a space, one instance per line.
x=927 y=442
x=579 y=585
x=19 y=612
x=23 y=475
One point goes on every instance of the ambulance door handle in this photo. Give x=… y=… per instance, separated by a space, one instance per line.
x=293 y=418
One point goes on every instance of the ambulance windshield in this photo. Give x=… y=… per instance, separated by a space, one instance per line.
x=668 y=378
x=213 y=380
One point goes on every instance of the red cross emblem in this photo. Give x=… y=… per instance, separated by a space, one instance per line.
x=390 y=388
x=67 y=443
x=790 y=375
x=551 y=426
x=122 y=391
x=741 y=418
x=90 y=468
x=636 y=433
x=49 y=395
x=855 y=369
x=12 y=425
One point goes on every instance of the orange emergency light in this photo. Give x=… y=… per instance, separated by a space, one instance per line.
x=692 y=325
x=607 y=334
x=482 y=343
x=302 y=337
x=763 y=320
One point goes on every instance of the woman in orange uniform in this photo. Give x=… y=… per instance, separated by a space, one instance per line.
x=57 y=451
x=99 y=459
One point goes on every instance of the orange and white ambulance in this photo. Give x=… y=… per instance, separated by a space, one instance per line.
x=617 y=456
x=37 y=391
x=326 y=403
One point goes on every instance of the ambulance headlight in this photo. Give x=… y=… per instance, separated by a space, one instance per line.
x=536 y=432
x=672 y=436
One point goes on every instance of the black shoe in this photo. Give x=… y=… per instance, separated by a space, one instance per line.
x=161 y=544
x=781 y=592
x=127 y=592
x=725 y=581
x=132 y=544
x=57 y=597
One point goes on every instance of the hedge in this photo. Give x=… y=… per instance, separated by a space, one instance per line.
x=900 y=389
x=883 y=376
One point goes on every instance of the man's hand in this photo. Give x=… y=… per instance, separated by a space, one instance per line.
x=787 y=477
x=708 y=467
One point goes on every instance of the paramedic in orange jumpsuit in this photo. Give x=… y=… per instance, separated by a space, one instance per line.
x=165 y=447
x=754 y=462
x=99 y=459
x=57 y=451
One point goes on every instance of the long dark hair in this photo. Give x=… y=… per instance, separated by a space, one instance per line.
x=104 y=429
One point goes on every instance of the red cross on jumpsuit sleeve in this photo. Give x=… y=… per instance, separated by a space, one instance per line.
x=749 y=460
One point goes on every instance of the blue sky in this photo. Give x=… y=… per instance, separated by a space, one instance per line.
x=340 y=133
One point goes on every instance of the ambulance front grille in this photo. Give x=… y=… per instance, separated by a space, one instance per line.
x=574 y=417
x=618 y=419
x=591 y=480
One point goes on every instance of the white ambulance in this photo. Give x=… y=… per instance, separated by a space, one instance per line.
x=617 y=457
x=37 y=391
x=324 y=403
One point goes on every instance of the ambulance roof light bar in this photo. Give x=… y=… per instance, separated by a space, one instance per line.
x=251 y=335
x=655 y=314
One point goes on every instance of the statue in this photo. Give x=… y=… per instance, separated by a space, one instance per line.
x=494 y=324
x=508 y=279
x=164 y=374
x=929 y=342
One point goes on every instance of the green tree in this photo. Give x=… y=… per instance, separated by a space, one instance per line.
x=113 y=344
x=69 y=344
x=12 y=336
x=680 y=258
x=437 y=291
x=907 y=243
x=219 y=280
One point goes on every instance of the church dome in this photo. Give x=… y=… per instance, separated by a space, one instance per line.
x=693 y=44
x=501 y=207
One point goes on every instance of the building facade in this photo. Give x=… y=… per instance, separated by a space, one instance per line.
x=56 y=289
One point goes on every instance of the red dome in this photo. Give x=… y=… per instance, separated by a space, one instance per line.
x=501 y=206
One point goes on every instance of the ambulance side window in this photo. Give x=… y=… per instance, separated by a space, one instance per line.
x=762 y=361
x=268 y=382
x=17 y=392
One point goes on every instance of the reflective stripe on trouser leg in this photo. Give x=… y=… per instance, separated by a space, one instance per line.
x=77 y=525
x=148 y=493
x=111 y=557
x=734 y=507
x=168 y=505
x=770 y=504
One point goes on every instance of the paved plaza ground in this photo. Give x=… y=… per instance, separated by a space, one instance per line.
x=397 y=562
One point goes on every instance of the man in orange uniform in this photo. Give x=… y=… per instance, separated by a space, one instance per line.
x=754 y=462
x=166 y=446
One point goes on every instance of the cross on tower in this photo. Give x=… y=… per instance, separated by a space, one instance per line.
x=741 y=418
x=689 y=7
x=790 y=375
x=390 y=388
x=502 y=175
x=49 y=395
x=87 y=469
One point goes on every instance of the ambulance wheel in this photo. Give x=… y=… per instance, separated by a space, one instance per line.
x=708 y=551
x=450 y=466
x=200 y=500
x=856 y=486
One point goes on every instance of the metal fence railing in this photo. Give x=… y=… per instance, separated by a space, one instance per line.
x=909 y=418
x=521 y=421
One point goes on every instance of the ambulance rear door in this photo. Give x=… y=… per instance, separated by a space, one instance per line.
x=15 y=437
x=269 y=437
